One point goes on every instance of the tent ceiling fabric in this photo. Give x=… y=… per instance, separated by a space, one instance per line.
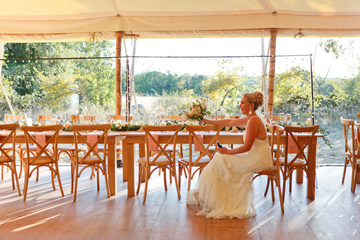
x=67 y=20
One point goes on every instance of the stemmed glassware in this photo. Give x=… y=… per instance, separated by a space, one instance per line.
x=282 y=118
x=288 y=120
x=54 y=119
x=270 y=116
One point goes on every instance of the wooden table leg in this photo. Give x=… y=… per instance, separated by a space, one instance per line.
x=141 y=155
x=129 y=160
x=124 y=161
x=311 y=170
x=112 y=169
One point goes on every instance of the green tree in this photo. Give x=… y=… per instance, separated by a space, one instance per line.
x=335 y=49
x=225 y=87
x=56 y=91
x=24 y=75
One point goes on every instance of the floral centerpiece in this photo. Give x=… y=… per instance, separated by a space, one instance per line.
x=198 y=110
x=118 y=126
x=67 y=126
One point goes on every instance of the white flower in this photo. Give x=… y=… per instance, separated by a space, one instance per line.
x=141 y=123
x=124 y=124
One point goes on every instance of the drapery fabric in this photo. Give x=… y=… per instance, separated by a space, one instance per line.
x=70 y=20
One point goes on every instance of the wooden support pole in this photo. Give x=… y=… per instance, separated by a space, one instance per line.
x=272 y=69
x=119 y=36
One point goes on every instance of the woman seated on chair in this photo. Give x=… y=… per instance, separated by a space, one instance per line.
x=224 y=188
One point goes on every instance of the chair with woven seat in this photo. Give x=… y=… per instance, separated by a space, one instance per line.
x=273 y=174
x=91 y=157
x=162 y=160
x=351 y=154
x=300 y=161
x=205 y=155
x=7 y=156
x=43 y=156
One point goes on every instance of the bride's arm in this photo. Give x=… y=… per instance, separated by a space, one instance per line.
x=241 y=122
x=251 y=133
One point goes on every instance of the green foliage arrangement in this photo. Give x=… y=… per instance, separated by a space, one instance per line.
x=118 y=126
x=198 y=110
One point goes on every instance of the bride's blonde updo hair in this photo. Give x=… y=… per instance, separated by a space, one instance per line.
x=255 y=97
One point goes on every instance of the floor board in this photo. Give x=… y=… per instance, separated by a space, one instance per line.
x=335 y=214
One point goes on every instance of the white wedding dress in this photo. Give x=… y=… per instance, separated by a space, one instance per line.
x=224 y=188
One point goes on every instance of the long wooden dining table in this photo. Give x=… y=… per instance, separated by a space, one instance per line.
x=132 y=138
x=68 y=138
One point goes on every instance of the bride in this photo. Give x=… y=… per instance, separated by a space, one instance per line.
x=224 y=188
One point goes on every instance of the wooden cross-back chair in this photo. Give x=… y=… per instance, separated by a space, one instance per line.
x=351 y=154
x=118 y=146
x=76 y=118
x=281 y=118
x=91 y=157
x=7 y=156
x=205 y=155
x=43 y=118
x=273 y=173
x=43 y=156
x=300 y=161
x=356 y=163
x=162 y=160
x=70 y=150
x=117 y=117
x=285 y=118
x=8 y=118
x=176 y=118
x=32 y=148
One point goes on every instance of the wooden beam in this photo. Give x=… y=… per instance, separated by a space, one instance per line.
x=119 y=36
x=272 y=69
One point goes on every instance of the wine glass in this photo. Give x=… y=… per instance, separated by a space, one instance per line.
x=54 y=119
x=288 y=118
x=270 y=116
x=282 y=118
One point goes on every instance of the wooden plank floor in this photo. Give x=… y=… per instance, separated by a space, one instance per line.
x=335 y=214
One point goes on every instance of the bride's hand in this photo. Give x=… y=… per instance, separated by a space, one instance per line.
x=203 y=121
x=223 y=150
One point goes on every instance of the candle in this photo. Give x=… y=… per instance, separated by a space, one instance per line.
x=308 y=121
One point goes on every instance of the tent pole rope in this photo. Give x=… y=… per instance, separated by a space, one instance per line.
x=119 y=36
x=132 y=80
x=312 y=92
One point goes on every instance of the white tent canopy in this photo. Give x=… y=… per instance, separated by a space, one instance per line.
x=69 y=20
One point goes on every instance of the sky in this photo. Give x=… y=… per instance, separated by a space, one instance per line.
x=238 y=47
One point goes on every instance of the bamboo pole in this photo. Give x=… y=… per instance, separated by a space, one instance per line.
x=119 y=36
x=272 y=69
